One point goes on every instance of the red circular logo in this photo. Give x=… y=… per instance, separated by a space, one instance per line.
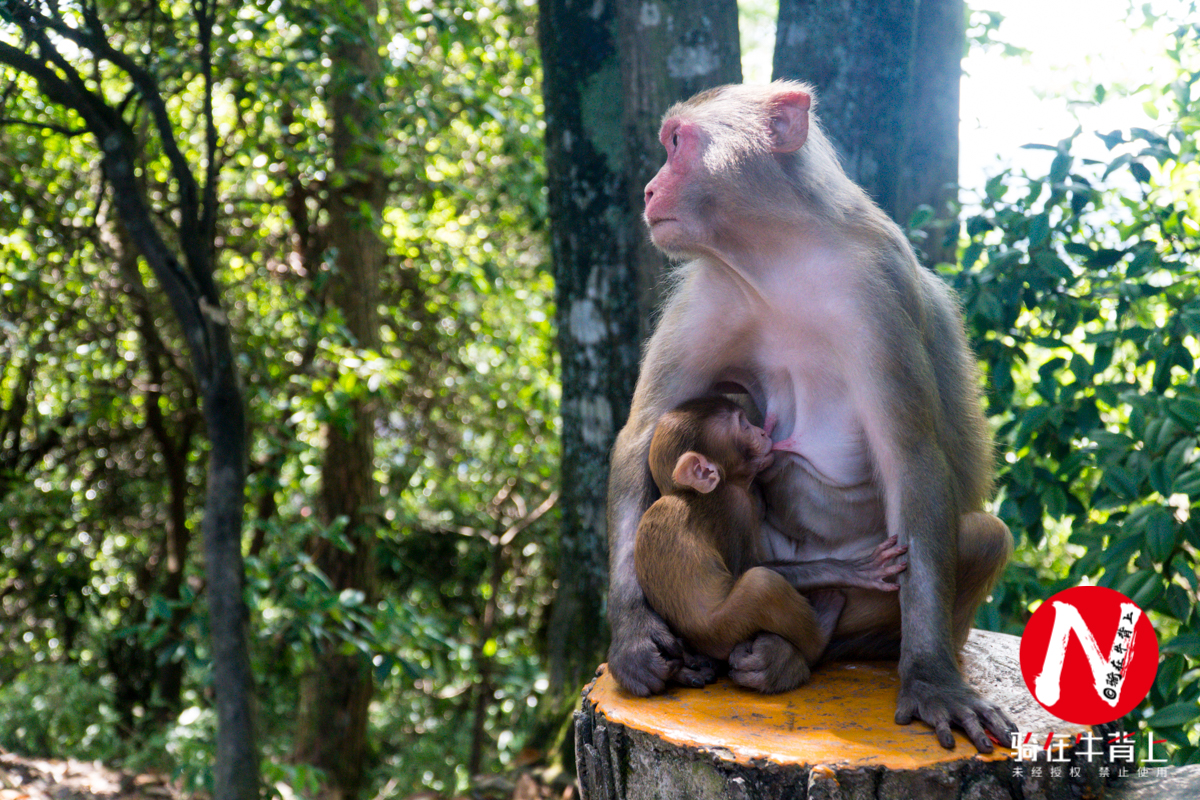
x=1089 y=655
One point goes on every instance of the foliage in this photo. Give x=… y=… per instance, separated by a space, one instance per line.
x=98 y=417
x=1082 y=292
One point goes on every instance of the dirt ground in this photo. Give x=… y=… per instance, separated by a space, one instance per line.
x=44 y=779
x=47 y=779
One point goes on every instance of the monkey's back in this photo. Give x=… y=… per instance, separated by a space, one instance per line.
x=681 y=570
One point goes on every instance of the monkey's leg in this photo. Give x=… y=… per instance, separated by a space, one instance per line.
x=792 y=632
x=984 y=547
x=769 y=663
x=870 y=625
x=759 y=600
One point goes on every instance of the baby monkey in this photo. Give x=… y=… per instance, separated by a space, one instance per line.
x=697 y=554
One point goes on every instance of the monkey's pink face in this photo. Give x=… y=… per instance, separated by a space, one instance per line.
x=673 y=225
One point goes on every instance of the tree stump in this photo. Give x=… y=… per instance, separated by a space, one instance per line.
x=835 y=737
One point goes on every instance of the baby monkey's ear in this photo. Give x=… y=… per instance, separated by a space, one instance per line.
x=697 y=472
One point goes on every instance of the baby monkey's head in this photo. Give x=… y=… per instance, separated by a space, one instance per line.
x=702 y=442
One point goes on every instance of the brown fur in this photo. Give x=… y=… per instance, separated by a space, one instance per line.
x=696 y=551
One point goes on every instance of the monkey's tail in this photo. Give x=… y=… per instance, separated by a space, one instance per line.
x=869 y=646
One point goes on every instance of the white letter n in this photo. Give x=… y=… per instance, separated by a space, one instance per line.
x=1046 y=686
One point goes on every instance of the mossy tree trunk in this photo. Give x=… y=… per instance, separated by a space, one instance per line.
x=611 y=70
x=335 y=695
x=887 y=75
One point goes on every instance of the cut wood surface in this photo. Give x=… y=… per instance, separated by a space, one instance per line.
x=833 y=737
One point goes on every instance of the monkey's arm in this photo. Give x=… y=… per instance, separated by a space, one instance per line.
x=869 y=572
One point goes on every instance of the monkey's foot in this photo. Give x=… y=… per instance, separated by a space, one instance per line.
x=769 y=664
x=696 y=670
x=941 y=706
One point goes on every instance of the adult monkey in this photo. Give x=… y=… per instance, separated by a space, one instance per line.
x=802 y=293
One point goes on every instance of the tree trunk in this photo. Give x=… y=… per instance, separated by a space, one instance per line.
x=611 y=70
x=334 y=697
x=834 y=738
x=593 y=233
x=887 y=75
x=237 y=771
x=929 y=173
x=670 y=50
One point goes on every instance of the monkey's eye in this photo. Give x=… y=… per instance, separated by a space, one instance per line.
x=675 y=139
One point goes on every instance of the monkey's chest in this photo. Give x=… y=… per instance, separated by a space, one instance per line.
x=807 y=396
x=814 y=519
x=821 y=494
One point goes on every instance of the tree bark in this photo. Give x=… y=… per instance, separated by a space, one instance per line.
x=592 y=240
x=887 y=76
x=670 y=50
x=611 y=70
x=335 y=695
x=929 y=174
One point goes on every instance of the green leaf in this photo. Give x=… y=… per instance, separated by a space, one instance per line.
x=1120 y=549
x=971 y=254
x=1116 y=164
x=1174 y=715
x=1060 y=167
x=1178 y=602
x=1121 y=481
x=1188 y=482
x=1160 y=534
x=1039 y=230
x=1032 y=419
x=979 y=224
x=1186 y=643
x=1145 y=260
x=1052 y=265
x=1160 y=479
x=1186 y=410
x=995 y=187
x=920 y=217
x=1142 y=587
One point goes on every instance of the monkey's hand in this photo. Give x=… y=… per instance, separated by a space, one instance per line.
x=873 y=571
x=942 y=703
x=644 y=654
x=769 y=664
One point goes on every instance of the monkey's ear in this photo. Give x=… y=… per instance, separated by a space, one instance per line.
x=789 y=120
x=696 y=471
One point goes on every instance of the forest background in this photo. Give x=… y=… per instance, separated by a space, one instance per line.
x=311 y=248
